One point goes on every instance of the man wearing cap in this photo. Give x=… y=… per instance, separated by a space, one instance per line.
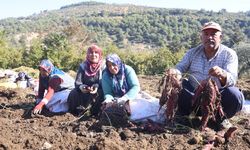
x=215 y=60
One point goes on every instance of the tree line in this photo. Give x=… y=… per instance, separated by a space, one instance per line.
x=160 y=36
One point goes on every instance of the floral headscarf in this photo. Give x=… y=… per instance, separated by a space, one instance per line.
x=92 y=68
x=46 y=65
x=120 y=86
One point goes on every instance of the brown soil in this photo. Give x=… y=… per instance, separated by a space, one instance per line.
x=21 y=130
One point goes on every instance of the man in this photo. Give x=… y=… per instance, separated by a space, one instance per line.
x=215 y=60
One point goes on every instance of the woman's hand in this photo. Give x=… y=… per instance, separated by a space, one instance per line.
x=38 y=108
x=106 y=105
x=94 y=89
x=85 y=88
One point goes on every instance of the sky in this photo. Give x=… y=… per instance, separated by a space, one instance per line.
x=23 y=8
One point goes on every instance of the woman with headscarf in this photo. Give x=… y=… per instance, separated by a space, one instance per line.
x=88 y=89
x=123 y=99
x=54 y=88
x=120 y=82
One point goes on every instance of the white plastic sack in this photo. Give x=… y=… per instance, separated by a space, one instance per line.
x=246 y=107
x=58 y=102
x=32 y=83
x=146 y=107
x=22 y=84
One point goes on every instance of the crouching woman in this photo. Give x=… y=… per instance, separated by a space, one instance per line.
x=120 y=85
x=54 y=88
x=120 y=82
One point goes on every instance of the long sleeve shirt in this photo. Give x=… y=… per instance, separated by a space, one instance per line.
x=56 y=81
x=132 y=80
x=196 y=65
x=82 y=78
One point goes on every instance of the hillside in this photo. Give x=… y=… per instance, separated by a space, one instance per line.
x=156 y=33
x=130 y=24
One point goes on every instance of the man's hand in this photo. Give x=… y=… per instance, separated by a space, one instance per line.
x=218 y=72
x=175 y=73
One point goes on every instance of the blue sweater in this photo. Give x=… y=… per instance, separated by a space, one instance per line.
x=132 y=80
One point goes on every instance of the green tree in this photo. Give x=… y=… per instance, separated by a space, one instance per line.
x=243 y=52
x=162 y=60
x=33 y=56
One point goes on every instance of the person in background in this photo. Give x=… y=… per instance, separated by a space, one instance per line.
x=54 y=88
x=215 y=60
x=22 y=76
x=88 y=89
x=120 y=82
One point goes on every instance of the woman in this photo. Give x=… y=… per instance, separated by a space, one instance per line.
x=119 y=81
x=123 y=99
x=58 y=85
x=88 y=89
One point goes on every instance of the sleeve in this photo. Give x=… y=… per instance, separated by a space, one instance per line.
x=54 y=83
x=184 y=64
x=107 y=87
x=133 y=83
x=41 y=88
x=79 y=77
x=231 y=69
x=103 y=67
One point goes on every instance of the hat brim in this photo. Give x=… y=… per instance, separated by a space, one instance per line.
x=216 y=28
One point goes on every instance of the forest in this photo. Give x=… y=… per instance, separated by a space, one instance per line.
x=147 y=38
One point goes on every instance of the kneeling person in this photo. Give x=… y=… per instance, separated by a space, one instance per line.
x=58 y=85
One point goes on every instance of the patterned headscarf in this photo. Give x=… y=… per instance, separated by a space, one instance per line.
x=51 y=69
x=46 y=65
x=120 y=86
x=92 y=68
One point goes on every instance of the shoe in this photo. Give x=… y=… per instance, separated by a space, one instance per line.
x=225 y=124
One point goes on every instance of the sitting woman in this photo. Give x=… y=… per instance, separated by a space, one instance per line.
x=57 y=84
x=120 y=82
x=124 y=101
x=88 y=90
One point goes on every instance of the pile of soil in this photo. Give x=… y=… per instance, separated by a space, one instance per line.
x=19 y=129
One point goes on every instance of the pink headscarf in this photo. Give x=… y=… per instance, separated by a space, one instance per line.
x=92 y=68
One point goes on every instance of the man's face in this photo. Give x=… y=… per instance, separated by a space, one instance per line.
x=211 y=39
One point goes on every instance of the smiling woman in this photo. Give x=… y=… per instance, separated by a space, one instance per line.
x=88 y=94
x=119 y=81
